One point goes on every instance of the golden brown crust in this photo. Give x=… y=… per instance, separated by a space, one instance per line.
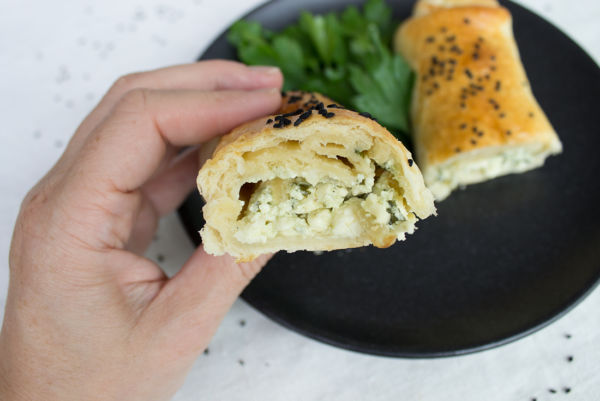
x=221 y=178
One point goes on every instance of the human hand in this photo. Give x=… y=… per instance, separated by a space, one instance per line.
x=87 y=317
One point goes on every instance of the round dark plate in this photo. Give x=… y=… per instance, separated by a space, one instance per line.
x=501 y=260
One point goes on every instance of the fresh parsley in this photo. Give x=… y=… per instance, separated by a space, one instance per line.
x=345 y=56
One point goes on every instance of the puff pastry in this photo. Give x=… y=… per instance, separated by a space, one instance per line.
x=314 y=177
x=474 y=115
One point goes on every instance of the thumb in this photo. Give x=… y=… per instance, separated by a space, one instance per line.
x=196 y=299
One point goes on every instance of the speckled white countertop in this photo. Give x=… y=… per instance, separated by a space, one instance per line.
x=58 y=57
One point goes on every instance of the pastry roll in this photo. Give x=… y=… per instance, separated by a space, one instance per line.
x=473 y=112
x=314 y=177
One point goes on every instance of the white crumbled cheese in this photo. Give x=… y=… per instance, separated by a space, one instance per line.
x=345 y=223
x=319 y=220
x=292 y=207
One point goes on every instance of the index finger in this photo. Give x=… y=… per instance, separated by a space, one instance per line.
x=125 y=150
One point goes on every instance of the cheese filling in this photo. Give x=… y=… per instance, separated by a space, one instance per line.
x=293 y=207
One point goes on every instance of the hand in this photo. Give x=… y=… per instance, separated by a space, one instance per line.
x=87 y=317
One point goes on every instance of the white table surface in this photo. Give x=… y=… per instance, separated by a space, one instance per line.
x=58 y=57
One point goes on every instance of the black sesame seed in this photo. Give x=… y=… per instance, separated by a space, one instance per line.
x=462 y=126
x=442 y=48
x=497 y=86
x=493 y=68
x=508 y=132
x=434 y=60
x=452 y=61
x=365 y=114
x=410 y=162
x=480 y=39
x=496 y=107
x=242 y=322
x=430 y=39
x=474 y=129
x=487 y=76
x=467 y=21
x=241 y=362
x=567 y=390
x=530 y=114
x=320 y=106
x=450 y=38
x=329 y=115
x=473 y=142
x=293 y=113
x=206 y=351
x=493 y=58
x=436 y=85
x=480 y=133
x=278 y=125
x=551 y=390
x=475 y=56
x=294 y=99
x=457 y=150
x=444 y=29
x=463 y=106
x=269 y=121
x=335 y=106
x=570 y=358
x=463 y=96
x=469 y=74
x=502 y=115
x=567 y=336
x=322 y=112
x=479 y=79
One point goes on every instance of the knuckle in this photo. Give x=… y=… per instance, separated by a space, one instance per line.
x=134 y=100
x=126 y=83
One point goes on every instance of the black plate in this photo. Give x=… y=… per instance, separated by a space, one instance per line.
x=501 y=260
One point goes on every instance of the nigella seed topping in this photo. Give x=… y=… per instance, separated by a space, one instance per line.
x=434 y=60
x=530 y=114
x=462 y=126
x=365 y=114
x=293 y=113
x=442 y=48
x=474 y=129
x=335 y=106
x=451 y=61
x=436 y=85
x=463 y=105
x=430 y=39
x=444 y=29
x=473 y=142
x=551 y=390
x=451 y=38
x=480 y=134
x=497 y=86
x=487 y=77
x=410 y=162
x=457 y=150
x=320 y=106
x=480 y=39
x=285 y=121
x=493 y=68
x=278 y=125
x=508 y=132
x=269 y=121
x=493 y=58
x=432 y=72
x=502 y=115
x=322 y=112
x=294 y=99
x=329 y=115
x=467 y=21
x=475 y=56
x=469 y=74
x=283 y=93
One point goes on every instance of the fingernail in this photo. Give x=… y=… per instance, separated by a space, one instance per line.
x=265 y=69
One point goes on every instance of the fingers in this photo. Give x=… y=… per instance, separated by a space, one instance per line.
x=206 y=76
x=125 y=150
x=194 y=301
